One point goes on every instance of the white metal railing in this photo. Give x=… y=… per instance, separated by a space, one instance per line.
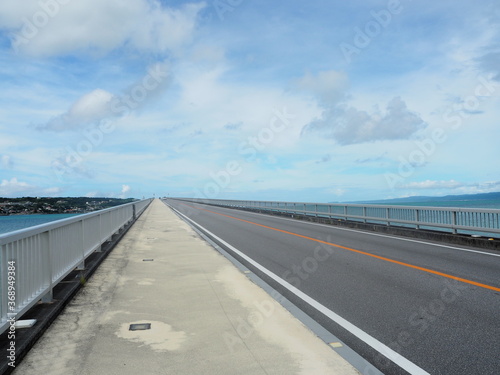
x=35 y=259
x=451 y=219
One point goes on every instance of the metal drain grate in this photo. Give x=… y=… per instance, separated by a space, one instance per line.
x=139 y=327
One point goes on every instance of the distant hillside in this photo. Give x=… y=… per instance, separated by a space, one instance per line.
x=49 y=205
x=448 y=198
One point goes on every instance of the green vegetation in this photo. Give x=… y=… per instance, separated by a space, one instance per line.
x=40 y=205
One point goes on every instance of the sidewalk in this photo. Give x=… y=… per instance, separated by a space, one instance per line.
x=206 y=316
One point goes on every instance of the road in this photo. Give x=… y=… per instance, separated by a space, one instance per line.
x=431 y=308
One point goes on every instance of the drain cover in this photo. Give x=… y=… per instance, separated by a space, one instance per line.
x=147 y=260
x=139 y=327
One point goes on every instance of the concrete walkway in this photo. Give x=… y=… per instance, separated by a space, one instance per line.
x=206 y=316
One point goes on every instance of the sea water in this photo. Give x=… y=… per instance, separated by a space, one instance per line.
x=16 y=222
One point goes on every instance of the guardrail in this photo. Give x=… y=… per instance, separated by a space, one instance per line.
x=35 y=259
x=450 y=219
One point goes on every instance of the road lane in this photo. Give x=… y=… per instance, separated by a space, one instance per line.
x=434 y=321
x=429 y=256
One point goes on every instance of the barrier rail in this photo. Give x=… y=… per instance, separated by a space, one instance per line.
x=451 y=219
x=35 y=259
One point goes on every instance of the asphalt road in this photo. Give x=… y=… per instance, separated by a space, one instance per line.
x=432 y=308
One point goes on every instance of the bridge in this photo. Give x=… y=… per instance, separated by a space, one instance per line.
x=221 y=286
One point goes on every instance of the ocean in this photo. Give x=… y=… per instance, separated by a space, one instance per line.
x=16 y=222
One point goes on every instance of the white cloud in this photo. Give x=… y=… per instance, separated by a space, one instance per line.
x=91 y=106
x=453 y=187
x=16 y=188
x=100 y=104
x=483 y=187
x=349 y=125
x=125 y=191
x=97 y=26
x=88 y=109
x=13 y=186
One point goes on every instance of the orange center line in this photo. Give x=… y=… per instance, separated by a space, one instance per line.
x=467 y=281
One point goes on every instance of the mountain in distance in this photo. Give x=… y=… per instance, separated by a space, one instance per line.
x=471 y=198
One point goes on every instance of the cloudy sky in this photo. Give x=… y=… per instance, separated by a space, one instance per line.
x=306 y=101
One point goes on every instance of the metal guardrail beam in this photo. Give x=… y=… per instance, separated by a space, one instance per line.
x=450 y=219
x=35 y=259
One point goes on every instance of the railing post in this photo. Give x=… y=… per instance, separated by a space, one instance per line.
x=454 y=221
x=417 y=218
x=46 y=245
x=100 y=235
x=387 y=216
x=364 y=214
x=81 y=266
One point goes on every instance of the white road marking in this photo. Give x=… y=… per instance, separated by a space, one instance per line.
x=359 y=333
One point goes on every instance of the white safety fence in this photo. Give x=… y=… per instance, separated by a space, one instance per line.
x=449 y=219
x=35 y=259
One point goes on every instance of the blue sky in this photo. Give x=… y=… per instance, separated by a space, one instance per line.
x=304 y=101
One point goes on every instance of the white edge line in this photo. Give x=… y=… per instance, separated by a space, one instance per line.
x=359 y=333
x=373 y=234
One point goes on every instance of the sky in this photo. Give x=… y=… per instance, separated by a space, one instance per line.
x=324 y=100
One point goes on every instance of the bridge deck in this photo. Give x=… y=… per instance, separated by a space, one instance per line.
x=205 y=315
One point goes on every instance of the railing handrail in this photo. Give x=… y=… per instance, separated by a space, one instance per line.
x=35 y=229
x=418 y=218
x=433 y=208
